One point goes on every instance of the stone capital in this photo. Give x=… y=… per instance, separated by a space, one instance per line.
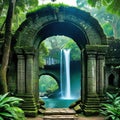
x=20 y=57
x=97 y=48
x=100 y=56
x=18 y=50
x=29 y=50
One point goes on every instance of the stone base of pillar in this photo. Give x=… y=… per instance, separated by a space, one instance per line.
x=103 y=98
x=92 y=105
x=29 y=105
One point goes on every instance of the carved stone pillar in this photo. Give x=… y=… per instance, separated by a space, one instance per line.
x=92 y=99
x=83 y=75
x=29 y=74
x=21 y=74
x=29 y=105
x=25 y=81
x=100 y=73
x=36 y=77
x=95 y=77
x=91 y=74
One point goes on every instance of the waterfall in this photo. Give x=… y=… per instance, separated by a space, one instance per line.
x=65 y=74
x=61 y=71
x=67 y=71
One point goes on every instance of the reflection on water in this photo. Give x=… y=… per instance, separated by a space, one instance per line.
x=57 y=102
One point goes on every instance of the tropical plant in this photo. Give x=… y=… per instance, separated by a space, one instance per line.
x=75 y=50
x=47 y=83
x=9 y=108
x=111 y=109
x=109 y=22
x=9 y=11
x=112 y=6
x=43 y=52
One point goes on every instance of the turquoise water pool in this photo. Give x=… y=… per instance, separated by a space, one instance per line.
x=57 y=102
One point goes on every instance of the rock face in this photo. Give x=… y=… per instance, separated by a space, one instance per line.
x=78 y=106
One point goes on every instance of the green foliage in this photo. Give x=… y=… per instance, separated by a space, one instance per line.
x=43 y=52
x=9 y=108
x=75 y=50
x=108 y=29
x=49 y=6
x=113 y=6
x=56 y=43
x=111 y=109
x=92 y=2
x=21 y=7
x=47 y=83
x=109 y=22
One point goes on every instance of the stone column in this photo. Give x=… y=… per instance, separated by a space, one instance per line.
x=91 y=74
x=21 y=74
x=83 y=75
x=92 y=99
x=100 y=73
x=95 y=72
x=29 y=74
x=36 y=76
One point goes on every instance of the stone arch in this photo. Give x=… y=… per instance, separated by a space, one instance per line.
x=71 y=22
x=75 y=18
x=52 y=75
x=55 y=79
x=111 y=79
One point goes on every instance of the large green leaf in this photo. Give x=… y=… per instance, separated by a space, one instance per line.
x=10 y=100
x=1 y=118
x=6 y=114
x=2 y=97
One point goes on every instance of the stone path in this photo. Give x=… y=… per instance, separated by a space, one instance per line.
x=63 y=114
x=59 y=114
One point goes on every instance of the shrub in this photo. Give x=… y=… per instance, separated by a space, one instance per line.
x=111 y=109
x=9 y=108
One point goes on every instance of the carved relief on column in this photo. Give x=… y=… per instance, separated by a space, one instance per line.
x=100 y=73
x=21 y=74
x=36 y=76
x=29 y=73
x=83 y=75
x=91 y=73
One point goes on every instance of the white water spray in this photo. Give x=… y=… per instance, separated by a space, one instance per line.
x=65 y=71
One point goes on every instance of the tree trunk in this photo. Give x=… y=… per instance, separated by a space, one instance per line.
x=6 y=47
x=1 y=7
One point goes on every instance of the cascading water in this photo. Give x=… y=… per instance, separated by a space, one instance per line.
x=61 y=71
x=69 y=92
x=65 y=71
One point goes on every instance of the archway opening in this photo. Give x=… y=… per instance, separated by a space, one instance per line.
x=111 y=80
x=47 y=86
x=46 y=22
x=54 y=63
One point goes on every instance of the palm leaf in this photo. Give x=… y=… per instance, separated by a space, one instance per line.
x=12 y=111
x=1 y=118
x=2 y=97
x=9 y=109
x=10 y=100
x=5 y=114
x=110 y=96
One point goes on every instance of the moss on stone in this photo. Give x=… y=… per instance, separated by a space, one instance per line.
x=31 y=113
x=91 y=112
x=43 y=8
x=97 y=48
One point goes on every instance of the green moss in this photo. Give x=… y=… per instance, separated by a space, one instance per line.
x=91 y=112
x=31 y=113
x=97 y=48
x=45 y=7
